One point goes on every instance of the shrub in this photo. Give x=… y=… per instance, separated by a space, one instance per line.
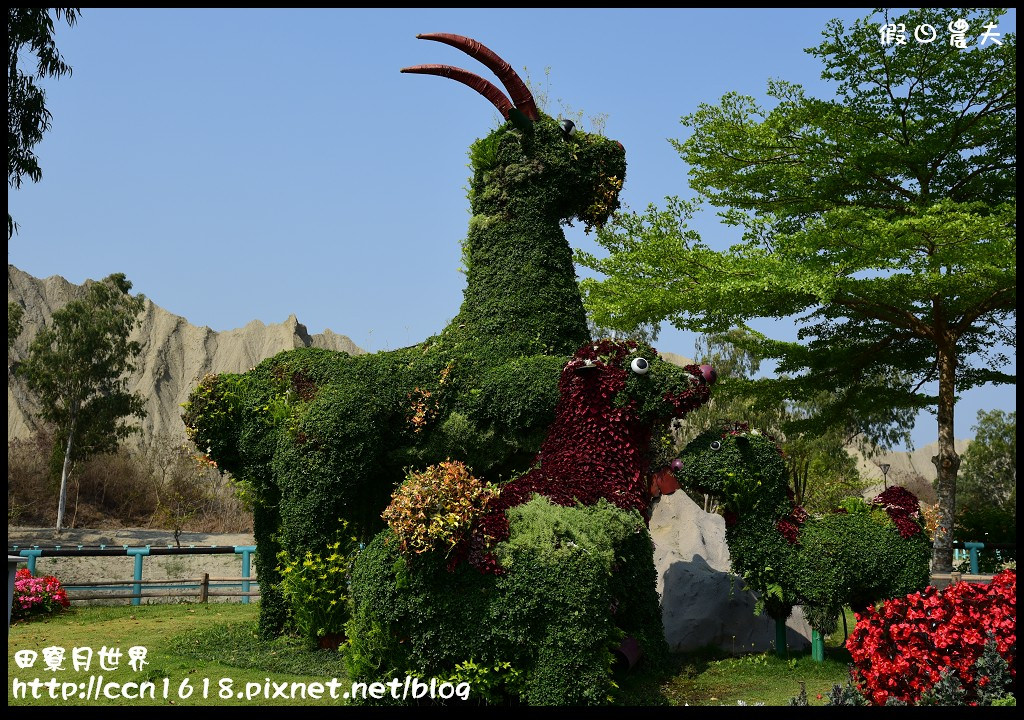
x=491 y=684
x=161 y=485
x=901 y=650
x=435 y=509
x=37 y=595
x=575 y=581
x=315 y=585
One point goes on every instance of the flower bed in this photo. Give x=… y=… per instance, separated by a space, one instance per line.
x=37 y=595
x=905 y=648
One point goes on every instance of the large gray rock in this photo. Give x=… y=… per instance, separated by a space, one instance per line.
x=702 y=602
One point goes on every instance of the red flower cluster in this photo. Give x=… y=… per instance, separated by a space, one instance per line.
x=901 y=649
x=596 y=447
x=37 y=595
x=903 y=508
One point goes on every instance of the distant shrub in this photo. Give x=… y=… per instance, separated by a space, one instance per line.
x=162 y=486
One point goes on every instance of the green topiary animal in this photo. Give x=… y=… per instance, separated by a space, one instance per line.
x=320 y=436
x=857 y=556
x=557 y=571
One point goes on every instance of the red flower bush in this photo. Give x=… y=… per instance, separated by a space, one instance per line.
x=900 y=650
x=37 y=595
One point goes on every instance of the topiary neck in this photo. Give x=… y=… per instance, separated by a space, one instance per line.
x=521 y=294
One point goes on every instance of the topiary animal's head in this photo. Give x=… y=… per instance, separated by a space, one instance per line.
x=533 y=163
x=739 y=467
x=554 y=169
x=630 y=377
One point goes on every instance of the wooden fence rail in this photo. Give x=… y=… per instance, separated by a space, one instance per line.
x=200 y=588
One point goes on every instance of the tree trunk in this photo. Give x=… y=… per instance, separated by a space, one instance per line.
x=65 y=472
x=947 y=462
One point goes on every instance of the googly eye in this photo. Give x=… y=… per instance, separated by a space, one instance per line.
x=715 y=445
x=640 y=366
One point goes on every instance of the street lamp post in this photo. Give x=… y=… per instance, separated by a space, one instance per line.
x=884 y=467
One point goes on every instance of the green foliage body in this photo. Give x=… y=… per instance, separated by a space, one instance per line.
x=882 y=222
x=546 y=620
x=319 y=435
x=77 y=368
x=851 y=558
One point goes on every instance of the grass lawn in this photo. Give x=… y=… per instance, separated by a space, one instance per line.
x=199 y=654
x=210 y=648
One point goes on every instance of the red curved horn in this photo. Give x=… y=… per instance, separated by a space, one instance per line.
x=482 y=86
x=517 y=90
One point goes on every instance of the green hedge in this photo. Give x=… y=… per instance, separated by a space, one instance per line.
x=576 y=581
x=854 y=557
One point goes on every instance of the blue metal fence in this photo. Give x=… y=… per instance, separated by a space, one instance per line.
x=33 y=553
x=971 y=550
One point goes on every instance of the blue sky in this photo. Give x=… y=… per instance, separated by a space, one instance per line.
x=255 y=163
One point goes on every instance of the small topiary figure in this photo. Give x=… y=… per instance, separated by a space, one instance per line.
x=319 y=435
x=559 y=566
x=857 y=556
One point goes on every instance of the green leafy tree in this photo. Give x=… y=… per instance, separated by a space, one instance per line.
x=987 y=484
x=989 y=471
x=77 y=370
x=882 y=222
x=30 y=29
x=822 y=470
x=730 y=401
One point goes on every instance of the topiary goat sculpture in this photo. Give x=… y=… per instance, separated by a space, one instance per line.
x=857 y=556
x=318 y=436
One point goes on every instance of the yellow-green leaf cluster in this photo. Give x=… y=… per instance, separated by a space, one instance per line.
x=315 y=585
x=435 y=508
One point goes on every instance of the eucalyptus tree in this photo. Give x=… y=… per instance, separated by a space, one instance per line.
x=77 y=369
x=30 y=30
